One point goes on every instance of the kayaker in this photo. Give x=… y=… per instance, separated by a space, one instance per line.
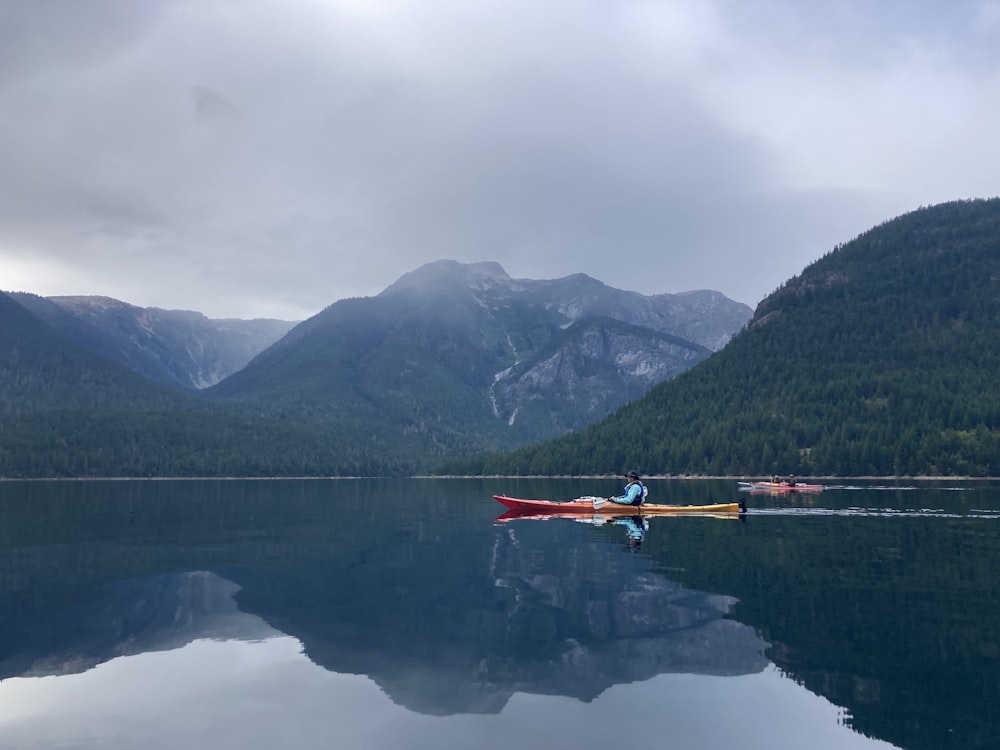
x=791 y=480
x=635 y=491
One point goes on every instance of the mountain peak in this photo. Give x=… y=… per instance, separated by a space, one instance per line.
x=446 y=273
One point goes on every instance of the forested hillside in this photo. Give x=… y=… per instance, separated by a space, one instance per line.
x=66 y=411
x=881 y=358
x=40 y=371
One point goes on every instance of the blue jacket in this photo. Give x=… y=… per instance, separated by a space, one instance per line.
x=631 y=492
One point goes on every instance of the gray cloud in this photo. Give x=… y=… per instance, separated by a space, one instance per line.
x=268 y=158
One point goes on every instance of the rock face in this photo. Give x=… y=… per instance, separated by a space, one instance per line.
x=597 y=365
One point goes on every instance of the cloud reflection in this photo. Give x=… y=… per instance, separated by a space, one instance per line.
x=267 y=694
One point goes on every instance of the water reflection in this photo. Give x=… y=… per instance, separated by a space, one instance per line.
x=635 y=529
x=587 y=618
x=446 y=615
x=154 y=613
x=266 y=694
x=453 y=626
x=440 y=638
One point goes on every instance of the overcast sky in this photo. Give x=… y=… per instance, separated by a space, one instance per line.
x=251 y=158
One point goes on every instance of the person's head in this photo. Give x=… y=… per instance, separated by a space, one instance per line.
x=632 y=476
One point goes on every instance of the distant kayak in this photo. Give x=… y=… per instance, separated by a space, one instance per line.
x=600 y=505
x=781 y=487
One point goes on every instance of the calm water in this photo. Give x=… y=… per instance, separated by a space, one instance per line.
x=401 y=614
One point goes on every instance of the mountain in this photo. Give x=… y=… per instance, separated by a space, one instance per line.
x=174 y=347
x=41 y=371
x=67 y=411
x=460 y=357
x=881 y=358
x=450 y=360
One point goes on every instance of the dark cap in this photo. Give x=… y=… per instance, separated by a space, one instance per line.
x=632 y=475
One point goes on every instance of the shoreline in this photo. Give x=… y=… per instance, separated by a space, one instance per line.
x=654 y=477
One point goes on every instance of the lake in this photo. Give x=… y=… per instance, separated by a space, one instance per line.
x=402 y=614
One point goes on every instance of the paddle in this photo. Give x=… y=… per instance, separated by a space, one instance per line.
x=597 y=502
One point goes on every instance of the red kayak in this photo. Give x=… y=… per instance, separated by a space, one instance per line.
x=780 y=487
x=601 y=506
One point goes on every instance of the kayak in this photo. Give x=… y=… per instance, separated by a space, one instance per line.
x=585 y=506
x=780 y=487
x=598 y=517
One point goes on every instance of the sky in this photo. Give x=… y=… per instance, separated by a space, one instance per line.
x=266 y=158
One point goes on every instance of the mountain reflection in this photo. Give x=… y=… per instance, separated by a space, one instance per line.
x=604 y=620
x=574 y=636
x=154 y=613
x=445 y=620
